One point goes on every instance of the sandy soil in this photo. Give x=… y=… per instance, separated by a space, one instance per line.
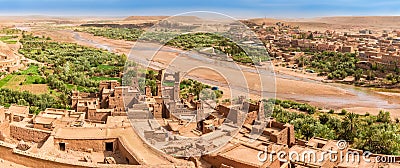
x=297 y=73
x=338 y=23
x=8 y=164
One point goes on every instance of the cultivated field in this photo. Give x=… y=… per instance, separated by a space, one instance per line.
x=26 y=80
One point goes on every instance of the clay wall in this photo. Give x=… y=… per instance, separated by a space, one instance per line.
x=84 y=145
x=28 y=134
x=97 y=116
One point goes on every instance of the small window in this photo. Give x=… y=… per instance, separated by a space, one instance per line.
x=109 y=146
x=62 y=146
x=47 y=126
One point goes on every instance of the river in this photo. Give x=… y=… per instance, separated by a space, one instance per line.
x=360 y=97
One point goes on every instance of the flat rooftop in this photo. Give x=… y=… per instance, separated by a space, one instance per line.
x=244 y=154
x=18 y=109
x=83 y=133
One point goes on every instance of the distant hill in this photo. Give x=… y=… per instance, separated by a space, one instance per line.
x=131 y=18
x=338 y=23
x=260 y=21
x=358 y=22
x=186 y=19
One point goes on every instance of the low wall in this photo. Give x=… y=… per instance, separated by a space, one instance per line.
x=84 y=145
x=8 y=152
x=28 y=134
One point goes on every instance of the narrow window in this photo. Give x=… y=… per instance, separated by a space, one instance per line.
x=62 y=146
x=109 y=146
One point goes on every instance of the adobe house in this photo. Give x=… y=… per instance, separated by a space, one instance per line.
x=16 y=113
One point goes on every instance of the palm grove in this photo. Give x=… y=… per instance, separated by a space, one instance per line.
x=377 y=134
x=69 y=67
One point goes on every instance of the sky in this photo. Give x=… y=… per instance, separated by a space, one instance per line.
x=235 y=8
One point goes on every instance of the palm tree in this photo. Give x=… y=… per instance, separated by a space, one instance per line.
x=151 y=75
x=350 y=126
x=357 y=75
x=197 y=88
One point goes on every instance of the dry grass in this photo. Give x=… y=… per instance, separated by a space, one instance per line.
x=35 y=88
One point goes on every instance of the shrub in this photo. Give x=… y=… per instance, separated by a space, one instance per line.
x=383 y=117
x=343 y=112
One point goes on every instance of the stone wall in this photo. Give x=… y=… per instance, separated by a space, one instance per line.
x=28 y=134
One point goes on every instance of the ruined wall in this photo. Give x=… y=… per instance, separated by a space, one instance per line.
x=159 y=137
x=97 y=145
x=251 y=106
x=291 y=135
x=278 y=137
x=158 y=108
x=223 y=110
x=251 y=116
x=285 y=136
x=43 y=127
x=97 y=116
x=116 y=100
x=301 y=142
x=82 y=109
x=28 y=134
x=4 y=130
x=275 y=124
x=235 y=115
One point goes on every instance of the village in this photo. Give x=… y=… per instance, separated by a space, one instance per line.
x=94 y=112
x=115 y=127
x=287 y=42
